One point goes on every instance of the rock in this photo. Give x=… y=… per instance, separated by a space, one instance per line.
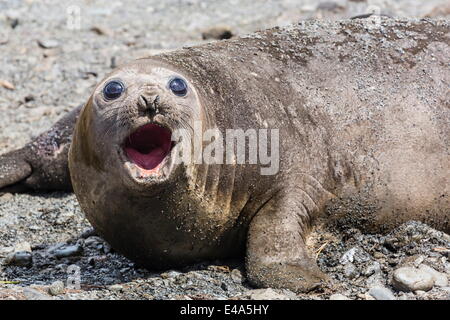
x=443 y=251
x=56 y=288
x=13 y=22
x=217 y=33
x=88 y=232
x=6 y=197
x=375 y=280
x=28 y=98
x=93 y=242
x=21 y=255
x=22 y=246
x=354 y=254
x=367 y=296
x=33 y=294
x=97 y=260
x=68 y=251
x=420 y=293
x=20 y=259
x=381 y=293
x=107 y=248
x=236 y=276
x=219 y=268
x=348 y=256
x=418 y=261
x=373 y=268
x=266 y=294
x=224 y=286
x=338 y=296
x=170 y=274
x=48 y=44
x=350 y=271
x=440 y=279
x=7 y=85
x=102 y=31
x=115 y=287
x=412 y=279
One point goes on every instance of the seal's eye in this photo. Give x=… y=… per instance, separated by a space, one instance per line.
x=113 y=90
x=178 y=86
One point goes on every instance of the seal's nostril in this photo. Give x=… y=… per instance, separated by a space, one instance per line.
x=148 y=104
x=145 y=101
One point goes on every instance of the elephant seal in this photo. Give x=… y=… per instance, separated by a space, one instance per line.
x=363 y=120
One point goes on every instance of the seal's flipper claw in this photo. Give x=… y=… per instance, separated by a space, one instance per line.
x=13 y=170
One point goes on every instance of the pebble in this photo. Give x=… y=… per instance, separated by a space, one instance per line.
x=381 y=293
x=236 y=276
x=266 y=294
x=20 y=259
x=56 y=288
x=102 y=31
x=348 y=256
x=68 y=251
x=412 y=279
x=93 y=242
x=374 y=268
x=33 y=294
x=88 y=232
x=338 y=296
x=219 y=268
x=97 y=259
x=224 y=286
x=22 y=246
x=170 y=274
x=366 y=296
x=440 y=279
x=6 y=197
x=420 y=293
x=7 y=85
x=115 y=287
x=217 y=33
x=350 y=271
x=48 y=44
x=21 y=255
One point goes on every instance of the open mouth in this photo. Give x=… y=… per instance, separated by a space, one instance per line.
x=148 y=146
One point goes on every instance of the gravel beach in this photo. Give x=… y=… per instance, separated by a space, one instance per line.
x=52 y=55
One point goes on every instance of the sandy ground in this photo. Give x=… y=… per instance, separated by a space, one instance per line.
x=53 y=53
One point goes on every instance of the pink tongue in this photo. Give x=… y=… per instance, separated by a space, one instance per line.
x=147 y=161
x=148 y=146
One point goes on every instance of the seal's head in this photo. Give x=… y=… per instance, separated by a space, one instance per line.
x=127 y=126
x=127 y=173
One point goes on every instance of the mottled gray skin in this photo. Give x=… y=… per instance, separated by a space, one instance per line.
x=364 y=125
x=41 y=164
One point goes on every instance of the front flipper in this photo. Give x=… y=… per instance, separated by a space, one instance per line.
x=277 y=256
x=13 y=168
x=42 y=164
